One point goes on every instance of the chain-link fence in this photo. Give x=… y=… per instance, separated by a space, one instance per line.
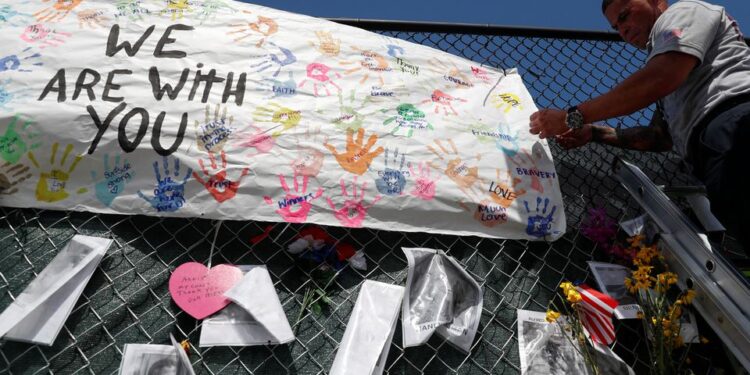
x=127 y=299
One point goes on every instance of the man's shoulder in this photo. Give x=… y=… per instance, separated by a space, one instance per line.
x=682 y=5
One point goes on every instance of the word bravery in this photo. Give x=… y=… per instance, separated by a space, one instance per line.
x=89 y=79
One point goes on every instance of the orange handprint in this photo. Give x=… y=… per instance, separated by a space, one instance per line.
x=503 y=191
x=465 y=176
x=221 y=188
x=264 y=26
x=58 y=11
x=51 y=185
x=487 y=213
x=357 y=158
x=326 y=44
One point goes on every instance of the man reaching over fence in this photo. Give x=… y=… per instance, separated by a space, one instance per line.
x=698 y=74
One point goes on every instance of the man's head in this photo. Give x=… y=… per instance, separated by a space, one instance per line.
x=633 y=19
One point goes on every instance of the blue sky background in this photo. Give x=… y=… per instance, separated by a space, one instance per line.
x=565 y=14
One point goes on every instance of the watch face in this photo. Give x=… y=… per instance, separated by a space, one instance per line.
x=574 y=119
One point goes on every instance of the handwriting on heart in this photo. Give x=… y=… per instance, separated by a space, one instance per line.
x=199 y=291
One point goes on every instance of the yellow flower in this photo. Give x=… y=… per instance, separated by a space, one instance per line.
x=635 y=241
x=639 y=315
x=667 y=278
x=566 y=286
x=629 y=285
x=688 y=297
x=552 y=316
x=704 y=340
x=573 y=296
x=678 y=341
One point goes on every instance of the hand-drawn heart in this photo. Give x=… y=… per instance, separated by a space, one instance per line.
x=199 y=291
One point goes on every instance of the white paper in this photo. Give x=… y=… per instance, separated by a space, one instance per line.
x=147 y=359
x=256 y=295
x=39 y=312
x=369 y=332
x=445 y=146
x=610 y=280
x=440 y=297
x=635 y=226
x=543 y=348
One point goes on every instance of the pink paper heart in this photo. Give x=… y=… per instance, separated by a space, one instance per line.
x=199 y=291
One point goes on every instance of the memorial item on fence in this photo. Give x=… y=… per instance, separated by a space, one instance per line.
x=440 y=297
x=39 y=312
x=199 y=291
x=145 y=359
x=256 y=295
x=225 y=110
x=367 y=340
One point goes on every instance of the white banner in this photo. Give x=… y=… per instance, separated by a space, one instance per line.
x=225 y=110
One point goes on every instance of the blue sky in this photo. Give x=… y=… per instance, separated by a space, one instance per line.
x=566 y=14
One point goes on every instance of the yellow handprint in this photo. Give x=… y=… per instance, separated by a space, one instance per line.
x=177 y=8
x=357 y=158
x=51 y=185
x=326 y=45
x=506 y=101
x=285 y=117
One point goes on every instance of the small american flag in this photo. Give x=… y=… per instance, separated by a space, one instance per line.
x=597 y=314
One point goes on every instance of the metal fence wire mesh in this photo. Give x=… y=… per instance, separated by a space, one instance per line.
x=127 y=299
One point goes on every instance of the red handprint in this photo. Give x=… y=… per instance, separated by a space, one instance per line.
x=424 y=187
x=352 y=214
x=300 y=198
x=217 y=184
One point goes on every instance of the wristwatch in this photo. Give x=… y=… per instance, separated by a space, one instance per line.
x=574 y=118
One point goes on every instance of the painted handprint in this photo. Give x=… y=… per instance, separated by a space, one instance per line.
x=12 y=175
x=57 y=11
x=11 y=17
x=92 y=19
x=280 y=89
x=528 y=165
x=114 y=181
x=407 y=120
x=452 y=75
x=52 y=182
x=441 y=100
x=507 y=141
x=8 y=97
x=503 y=190
x=207 y=9
x=257 y=139
x=326 y=44
x=263 y=28
x=25 y=61
x=44 y=36
x=176 y=9
x=169 y=194
x=368 y=64
x=295 y=205
x=214 y=133
x=402 y=64
x=391 y=181
x=540 y=223
x=278 y=59
x=351 y=114
x=17 y=140
x=132 y=9
x=217 y=183
x=353 y=212
x=462 y=173
x=309 y=159
x=487 y=213
x=481 y=75
x=317 y=73
x=424 y=185
x=357 y=157
x=506 y=101
x=283 y=117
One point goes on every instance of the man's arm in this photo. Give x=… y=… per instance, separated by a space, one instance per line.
x=654 y=137
x=661 y=76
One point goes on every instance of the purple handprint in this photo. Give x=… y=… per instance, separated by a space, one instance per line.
x=169 y=195
x=279 y=60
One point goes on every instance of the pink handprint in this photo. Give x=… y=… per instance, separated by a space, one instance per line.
x=258 y=139
x=425 y=186
x=44 y=36
x=352 y=214
x=441 y=100
x=299 y=198
x=318 y=74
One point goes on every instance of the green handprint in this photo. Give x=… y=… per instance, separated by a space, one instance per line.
x=12 y=143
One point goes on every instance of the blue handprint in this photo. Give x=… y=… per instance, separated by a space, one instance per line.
x=507 y=142
x=271 y=60
x=286 y=88
x=10 y=16
x=169 y=195
x=21 y=61
x=540 y=225
x=392 y=181
x=114 y=180
x=395 y=51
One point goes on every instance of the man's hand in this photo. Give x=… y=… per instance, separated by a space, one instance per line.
x=548 y=123
x=575 y=138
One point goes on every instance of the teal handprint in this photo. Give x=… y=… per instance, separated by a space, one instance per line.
x=114 y=181
x=12 y=142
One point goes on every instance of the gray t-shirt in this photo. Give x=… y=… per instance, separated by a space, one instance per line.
x=707 y=32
